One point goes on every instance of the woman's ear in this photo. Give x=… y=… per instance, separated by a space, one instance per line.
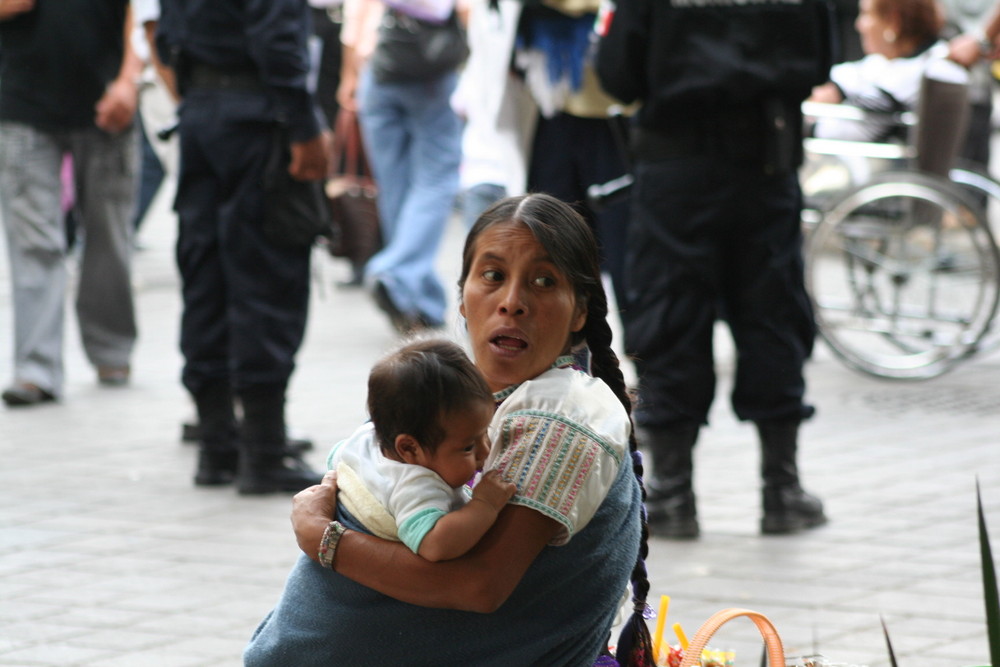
x=579 y=318
x=409 y=450
x=461 y=309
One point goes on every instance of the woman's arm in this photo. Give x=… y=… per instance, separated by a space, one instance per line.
x=480 y=581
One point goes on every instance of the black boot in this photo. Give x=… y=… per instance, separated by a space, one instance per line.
x=670 y=500
x=218 y=456
x=191 y=433
x=787 y=507
x=266 y=463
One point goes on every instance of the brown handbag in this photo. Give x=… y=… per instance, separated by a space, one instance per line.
x=351 y=191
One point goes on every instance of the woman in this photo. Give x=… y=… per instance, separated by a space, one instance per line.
x=413 y=140
x=548 y=576
x=900 y=40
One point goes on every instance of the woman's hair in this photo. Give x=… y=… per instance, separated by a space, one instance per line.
x=412 y=388
x=920 y=21
x=569 y=241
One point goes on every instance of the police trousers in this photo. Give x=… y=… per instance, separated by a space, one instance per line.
x=245 y=299
x=712 y=238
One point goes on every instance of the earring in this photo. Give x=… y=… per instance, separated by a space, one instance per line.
x=889 y=35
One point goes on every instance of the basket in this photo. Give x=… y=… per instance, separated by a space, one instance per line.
x=775 y=651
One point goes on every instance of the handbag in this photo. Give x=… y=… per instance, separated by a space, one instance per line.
x=351 y=192
x=411 y=49
x=295 y=212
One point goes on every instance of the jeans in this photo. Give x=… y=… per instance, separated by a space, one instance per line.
x=414 y=143
x=151 y=175
x=478 y=198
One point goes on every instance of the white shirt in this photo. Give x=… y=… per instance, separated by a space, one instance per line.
x=561 y=438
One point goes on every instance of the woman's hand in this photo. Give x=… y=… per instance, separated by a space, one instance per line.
x=966 y=50
x=312 y=509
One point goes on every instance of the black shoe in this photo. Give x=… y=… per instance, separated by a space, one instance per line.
x=400 y=320
x=789 y=509
x=269 y=473
x=191 y=434
x=23 y=393
x=670 y=498
x=216 y=468
x=672 y=517
x=404 y=323
x=113 y=376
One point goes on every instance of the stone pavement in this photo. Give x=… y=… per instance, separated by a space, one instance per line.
x=109 y=557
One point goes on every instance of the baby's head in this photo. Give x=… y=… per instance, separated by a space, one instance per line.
x=431 y=406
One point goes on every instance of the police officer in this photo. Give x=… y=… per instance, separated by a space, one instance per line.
x=242 y=68
x=715 y=231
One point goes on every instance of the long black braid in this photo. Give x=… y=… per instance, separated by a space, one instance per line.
x=571 y=244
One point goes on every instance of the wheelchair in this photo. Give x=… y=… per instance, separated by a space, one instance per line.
x=901 y=261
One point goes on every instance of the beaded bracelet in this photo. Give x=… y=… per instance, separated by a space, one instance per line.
x=328 y=545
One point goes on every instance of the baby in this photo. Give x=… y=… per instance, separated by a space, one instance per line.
x=405 y=474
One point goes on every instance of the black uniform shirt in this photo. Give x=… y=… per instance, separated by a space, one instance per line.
x=57 y=60
x=269 y=36
x=687 y=58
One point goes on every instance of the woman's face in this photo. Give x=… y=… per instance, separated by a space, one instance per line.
x=519 y=308
x=873 y=30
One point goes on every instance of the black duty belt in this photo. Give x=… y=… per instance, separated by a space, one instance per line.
x=652 y=145
x=204 y=76
x=766 y=135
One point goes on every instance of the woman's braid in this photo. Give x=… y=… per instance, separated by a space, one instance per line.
x=634 y=645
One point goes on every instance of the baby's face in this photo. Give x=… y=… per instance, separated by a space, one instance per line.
x=463 y=451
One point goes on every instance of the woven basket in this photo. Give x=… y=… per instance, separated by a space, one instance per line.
x=775 y=651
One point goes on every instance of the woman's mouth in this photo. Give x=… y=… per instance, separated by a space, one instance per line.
x=509 y=343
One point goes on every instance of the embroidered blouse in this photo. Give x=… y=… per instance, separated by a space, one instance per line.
x=561 y=438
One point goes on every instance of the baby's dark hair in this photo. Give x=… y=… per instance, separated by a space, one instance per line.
x=570 y=243
x=410 y=389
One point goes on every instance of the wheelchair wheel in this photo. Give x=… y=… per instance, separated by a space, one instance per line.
x=986 y=191
x=903 y=273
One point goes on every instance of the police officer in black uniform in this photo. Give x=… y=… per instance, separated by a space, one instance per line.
x=242 y=68
x=715 y=230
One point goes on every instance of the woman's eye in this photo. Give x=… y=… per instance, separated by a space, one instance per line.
x=544 y=281
x=492 y=275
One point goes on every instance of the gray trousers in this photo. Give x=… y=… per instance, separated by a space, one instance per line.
x=105 y=170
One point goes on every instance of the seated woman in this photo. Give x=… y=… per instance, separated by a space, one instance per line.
x=900 y=39
x=902 y=47
x=543 y=585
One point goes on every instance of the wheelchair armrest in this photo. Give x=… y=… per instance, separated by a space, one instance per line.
x=885 y=151
x=850 y=112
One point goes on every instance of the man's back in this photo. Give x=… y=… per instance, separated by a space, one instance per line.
x=57 y=60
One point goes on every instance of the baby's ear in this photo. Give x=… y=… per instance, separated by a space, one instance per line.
x=409 y=450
